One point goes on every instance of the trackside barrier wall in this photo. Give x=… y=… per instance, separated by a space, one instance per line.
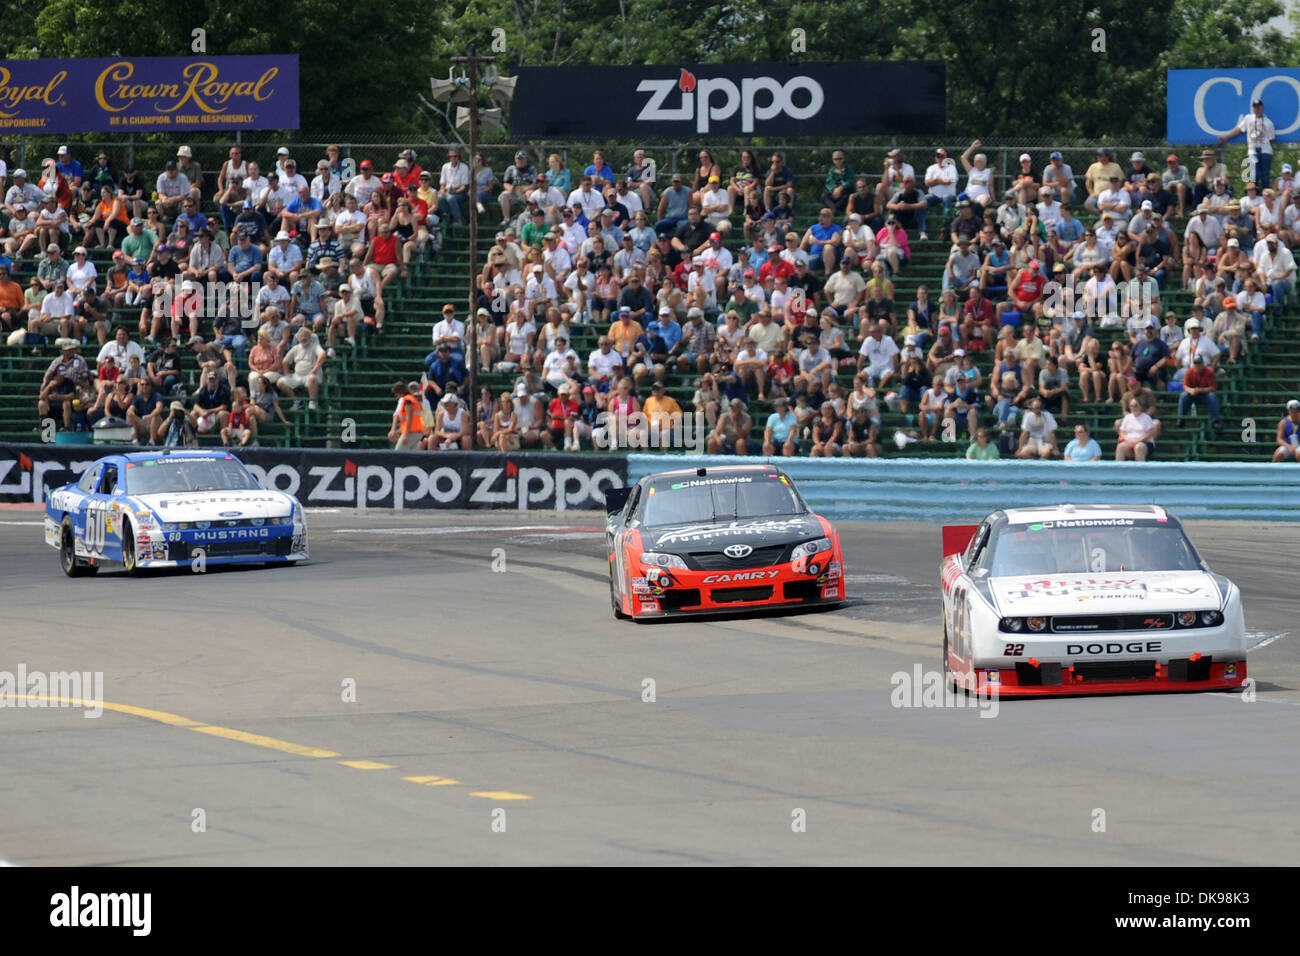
x=360 y=478
x=937 y=490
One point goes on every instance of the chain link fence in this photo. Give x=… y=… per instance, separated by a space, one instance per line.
x=809 y=162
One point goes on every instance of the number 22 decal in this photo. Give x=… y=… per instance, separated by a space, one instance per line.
x=1013 y=650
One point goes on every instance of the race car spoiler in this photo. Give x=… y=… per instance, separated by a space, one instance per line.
x=956 y=537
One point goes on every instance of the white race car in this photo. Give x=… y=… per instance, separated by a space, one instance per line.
x=1086 y=599
x=172 y=509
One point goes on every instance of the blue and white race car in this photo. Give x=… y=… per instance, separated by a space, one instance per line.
x=172 y=509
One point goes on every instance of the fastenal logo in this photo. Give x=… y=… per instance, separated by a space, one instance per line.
x=73 y=689
x=737 y=551
x=715 y=99
x=930 y=689
x=615 y=430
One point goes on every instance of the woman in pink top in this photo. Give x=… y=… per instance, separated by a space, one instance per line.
x=1137 y=433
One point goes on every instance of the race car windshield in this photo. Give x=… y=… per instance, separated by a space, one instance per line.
x=1135 y=546
x=696 y=500
x=193 y=474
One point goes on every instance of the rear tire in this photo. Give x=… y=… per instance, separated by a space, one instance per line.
x=68 y=552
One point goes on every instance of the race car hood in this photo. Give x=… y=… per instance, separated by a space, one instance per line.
x=756 y=532
x=1118 y=592
x=177 y=506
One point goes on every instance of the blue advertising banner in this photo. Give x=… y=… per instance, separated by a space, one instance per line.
x=1206 y=104
x=125 y=94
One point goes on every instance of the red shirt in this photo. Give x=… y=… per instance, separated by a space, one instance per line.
x=421 y=210
x=1031 y=286
x=1200 y=376
x=985 y=310
x=679 y=274
x=563 y=408
x=407 y=178
x=385 y=250
x=776 y=267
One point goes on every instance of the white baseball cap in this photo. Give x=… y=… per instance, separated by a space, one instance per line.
x=1146 y=204
x=281 y=236
x=521 y=389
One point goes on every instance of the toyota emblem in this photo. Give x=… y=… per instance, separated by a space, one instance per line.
x=737 y=550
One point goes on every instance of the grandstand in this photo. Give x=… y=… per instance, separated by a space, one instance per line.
x=357 y=381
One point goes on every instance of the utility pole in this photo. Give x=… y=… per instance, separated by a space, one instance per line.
x=472 y=61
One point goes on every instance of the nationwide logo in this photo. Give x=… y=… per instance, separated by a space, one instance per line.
x=707 y=100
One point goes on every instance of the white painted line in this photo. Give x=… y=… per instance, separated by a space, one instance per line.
x=30 y=524
x=1265 y=639
x=467 y=529
x=7 y=863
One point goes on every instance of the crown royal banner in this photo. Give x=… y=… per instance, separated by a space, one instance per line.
x=128 y=94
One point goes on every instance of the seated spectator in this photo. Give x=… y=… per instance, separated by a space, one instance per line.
x=962 y=405
x=892 y=246
x=212 y=398
x=1137 y=433
x=145 y=413
x=781 y=430
x=827 y=433
x=443 y=369
x=454 y=185
x=1199 y=388
x=934 y=401
x=451 y=424
x=1288 y=434
x=63 y=378
x=1082 y=447
x=730 y=435
x=1037 y=433
x=56 y=314
x=982 y=448
x=962 y=270
x=1277 y=266
x=1054 y=387
x=238 y=425
x=750 y=365
x=1151 y=358
x=1230 y=330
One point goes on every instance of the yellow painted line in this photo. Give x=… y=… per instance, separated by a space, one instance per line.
x=271 y=743
x=500 y=795
x=176 y=720
x=257 y=740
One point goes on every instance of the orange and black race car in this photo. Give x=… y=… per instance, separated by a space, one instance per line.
x=709 y=540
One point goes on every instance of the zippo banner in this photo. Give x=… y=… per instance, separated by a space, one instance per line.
x=362 y=479
x=1203 y=105
x=126 y=94
x=764 y=99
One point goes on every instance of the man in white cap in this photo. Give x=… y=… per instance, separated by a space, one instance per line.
x=70 y=167
x=1260 y=133
x=22 y=193
x=285 y=259
x=191 y=170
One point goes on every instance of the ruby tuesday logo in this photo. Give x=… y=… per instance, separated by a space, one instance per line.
x=707 y=100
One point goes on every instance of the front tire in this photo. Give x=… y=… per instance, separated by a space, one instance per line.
x=128 y=549
x=68 y=551
x=619 y=613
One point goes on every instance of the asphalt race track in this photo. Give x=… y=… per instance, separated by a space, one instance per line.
x=512 y=701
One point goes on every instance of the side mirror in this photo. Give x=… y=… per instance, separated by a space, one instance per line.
x=615 y=499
